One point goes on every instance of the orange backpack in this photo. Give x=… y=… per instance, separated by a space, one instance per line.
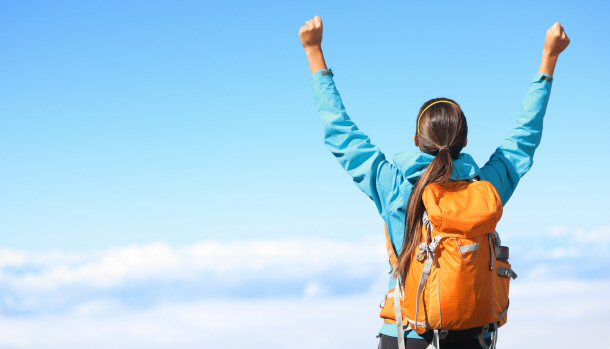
x=459 y=279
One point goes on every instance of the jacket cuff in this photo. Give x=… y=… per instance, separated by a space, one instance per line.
x=538 y=77
x=323 y=73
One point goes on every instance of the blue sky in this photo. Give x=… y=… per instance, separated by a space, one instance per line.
x=162 y=166
x=132 y=122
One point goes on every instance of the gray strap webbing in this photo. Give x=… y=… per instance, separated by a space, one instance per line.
x=497 y=242
x=397 y=310
x=425 y=274
x=420 y=289
x=497 y=238
x=422 y=282
x=426 y=221
x=507 y=272
x=469 y=248
x=435 y=340
x=419 y=323
x=495 y=339
x=492 y=257
x=504 y=312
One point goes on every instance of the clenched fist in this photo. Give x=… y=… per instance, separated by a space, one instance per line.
x=311 y=38
x=556 y=40
x=311 y=33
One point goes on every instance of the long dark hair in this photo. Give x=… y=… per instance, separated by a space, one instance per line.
x=442 y=131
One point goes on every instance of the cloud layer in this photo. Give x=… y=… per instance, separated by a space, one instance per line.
x=139 y=276
x=144 y=275
x=543 y=315
x=269 y=293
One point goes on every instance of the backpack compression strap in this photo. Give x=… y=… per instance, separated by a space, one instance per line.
x=398 y=311
x=430 y=253
x=397 y=288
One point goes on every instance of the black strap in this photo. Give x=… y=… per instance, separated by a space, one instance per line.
x=454 y=336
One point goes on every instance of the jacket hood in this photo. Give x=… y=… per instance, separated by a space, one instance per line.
x=413 y=164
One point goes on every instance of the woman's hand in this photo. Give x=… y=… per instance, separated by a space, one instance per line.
x=556 y=41
x=311 y=38
x=311 y=33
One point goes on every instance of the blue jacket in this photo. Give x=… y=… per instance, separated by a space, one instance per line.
x=389 y=184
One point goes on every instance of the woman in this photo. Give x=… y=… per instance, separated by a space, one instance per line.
x=396 y=187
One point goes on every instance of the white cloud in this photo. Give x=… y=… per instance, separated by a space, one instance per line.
x=55 y=281
x=292 y=258
x=542 y=315
x=314 y=290
x=136 y=275
x=563 y=253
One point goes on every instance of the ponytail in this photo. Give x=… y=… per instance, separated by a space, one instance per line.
x=442 y=131
x=439 y=170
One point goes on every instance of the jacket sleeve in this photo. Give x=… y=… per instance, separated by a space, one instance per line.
x=515 y=156
x=378 y=178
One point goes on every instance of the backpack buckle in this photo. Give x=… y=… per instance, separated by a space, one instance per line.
x=422 y=251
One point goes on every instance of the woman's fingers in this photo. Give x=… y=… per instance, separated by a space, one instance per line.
x=311 y=32
x=313 y=23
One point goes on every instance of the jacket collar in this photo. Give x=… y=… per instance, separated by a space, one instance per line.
x=413 y=164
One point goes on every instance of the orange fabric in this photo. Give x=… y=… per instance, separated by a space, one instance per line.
x=391 y=250
x=462 y=291
x=462 y=209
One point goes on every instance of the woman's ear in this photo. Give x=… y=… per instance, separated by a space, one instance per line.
x=416 y=140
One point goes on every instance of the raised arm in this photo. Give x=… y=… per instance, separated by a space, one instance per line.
x=364 y=162
x=514 y=157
